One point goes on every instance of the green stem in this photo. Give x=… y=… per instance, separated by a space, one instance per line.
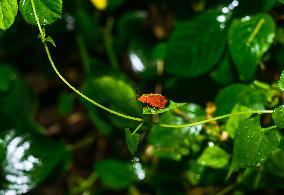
x=264 y=130
x=137 y=128
x=42 y=35
x=216 y=118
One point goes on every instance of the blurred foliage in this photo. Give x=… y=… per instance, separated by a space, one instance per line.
x=223 y=58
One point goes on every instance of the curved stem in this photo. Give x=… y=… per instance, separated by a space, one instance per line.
x=216 y=118
x=42 y=35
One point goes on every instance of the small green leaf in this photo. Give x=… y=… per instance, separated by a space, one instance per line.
x=214 y=157
x=278 y=116
x=50 y=40
x=116 y=174
x=132 y=141
x=196 y=45
x=47 y=11
x=281 y=82
x=8 y=12
x=29 y=158
x=172 y=105
x=252 y=145
x=251 y=37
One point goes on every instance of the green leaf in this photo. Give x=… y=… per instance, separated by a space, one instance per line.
x=173 y=143
x=196 y=45
x=281 y=82
x=224 y=73
x=29 y=158
x=282 y=1
x=275 y=164
x=132 y=141
x=7 y=77
x=172 y=105
x=249 y=38
x=241 y=94
x=252 y=144
x=117 y=93
x=214 y=157
x=50 y=40
x=278 y=116
x=194 y=172
x=234 y=121
x=47 y=11
x=65 y=103
x=8 y=12
x=116 y=174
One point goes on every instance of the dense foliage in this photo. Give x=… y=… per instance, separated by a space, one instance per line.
x=71 y=72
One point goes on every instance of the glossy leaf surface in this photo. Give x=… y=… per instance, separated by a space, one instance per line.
x=214 y=157
x=8 y=12
x=47 y=11
x=250 y=36
x=186 y=54
x=252 y=144
x=278 y=116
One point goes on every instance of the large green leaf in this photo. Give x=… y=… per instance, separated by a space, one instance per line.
x=173 y=143
x=249 y=38
x=214 y=157
x=281 y=82
x=252 y=144
x=47 y=11
x=278 y=116
x=28 y=160
x=241 y=94
x=116 y=93
x=196 y=45
x=116 y=174
x=8 y=12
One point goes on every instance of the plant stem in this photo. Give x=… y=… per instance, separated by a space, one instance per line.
x=216 y=118
x=42 y=35
x=264 y=130
x=137 y=128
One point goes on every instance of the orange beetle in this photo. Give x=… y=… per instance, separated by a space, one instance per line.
x=154 y=100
